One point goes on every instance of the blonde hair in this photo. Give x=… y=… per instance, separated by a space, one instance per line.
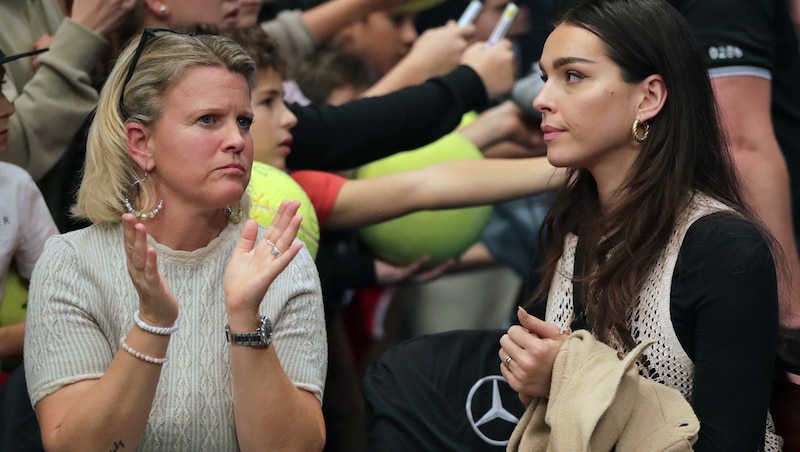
x=109 y=172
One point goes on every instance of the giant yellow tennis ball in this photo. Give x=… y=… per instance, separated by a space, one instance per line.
x=439 y=234
x=14 y=306
x=268 y=188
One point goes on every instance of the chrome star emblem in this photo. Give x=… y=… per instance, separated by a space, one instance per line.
x=495 y=411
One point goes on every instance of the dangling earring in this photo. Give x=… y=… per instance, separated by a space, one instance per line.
x=162 y=9
x=234 y=217
x=635 y=130
x=142 y=215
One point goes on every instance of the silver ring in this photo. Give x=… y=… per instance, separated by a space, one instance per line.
x=508 y=362
x=275 y=251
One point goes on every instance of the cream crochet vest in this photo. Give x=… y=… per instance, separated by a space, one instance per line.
x=665 y=361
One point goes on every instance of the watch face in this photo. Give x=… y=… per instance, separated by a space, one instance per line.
x=266 y=326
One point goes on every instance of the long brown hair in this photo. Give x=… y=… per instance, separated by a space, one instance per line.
x=684 y=153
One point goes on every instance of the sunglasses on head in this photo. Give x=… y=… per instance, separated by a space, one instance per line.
x=148 y=35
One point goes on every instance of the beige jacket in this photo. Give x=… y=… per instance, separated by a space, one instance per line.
x=598 y=401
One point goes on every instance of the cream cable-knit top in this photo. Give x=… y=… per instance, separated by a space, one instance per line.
x=82 y=302
x=666 y=360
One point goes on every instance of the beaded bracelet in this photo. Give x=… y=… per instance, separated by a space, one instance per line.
x=160 y=330
x=141 y=356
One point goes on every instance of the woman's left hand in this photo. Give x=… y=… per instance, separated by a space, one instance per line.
x=533 y=347
x=255 y=264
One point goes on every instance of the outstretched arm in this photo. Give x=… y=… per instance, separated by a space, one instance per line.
x=357 y=132
x=436 y=52
x=445 y=185
x=451 y=184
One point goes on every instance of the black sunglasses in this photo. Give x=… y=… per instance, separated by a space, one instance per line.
x=147 y=35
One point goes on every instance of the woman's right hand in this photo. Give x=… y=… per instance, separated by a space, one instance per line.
x=157 y=304
x=527 y=355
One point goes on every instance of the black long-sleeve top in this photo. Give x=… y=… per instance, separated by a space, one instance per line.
x=358 y=132
x=724 y=309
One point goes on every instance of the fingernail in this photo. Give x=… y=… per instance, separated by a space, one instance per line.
x=520 y=308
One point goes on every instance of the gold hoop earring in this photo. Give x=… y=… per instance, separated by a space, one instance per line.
x=136 y=213
x=635 y=131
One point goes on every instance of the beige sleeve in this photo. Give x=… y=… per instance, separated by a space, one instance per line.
x=54 y=103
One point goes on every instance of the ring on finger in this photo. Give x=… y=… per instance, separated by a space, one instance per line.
x=275 y=251
x=507 y=362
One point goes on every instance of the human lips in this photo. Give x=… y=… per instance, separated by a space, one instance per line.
x=286 y=145
x=232 y=18
x=550 y=132
x=234 y=169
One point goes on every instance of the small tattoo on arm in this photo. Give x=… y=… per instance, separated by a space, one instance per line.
x=117 y=446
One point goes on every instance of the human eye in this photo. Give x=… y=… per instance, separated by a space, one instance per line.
x=573 y=76
x=268 y=101
x=543 y=75
x=397 y=19
x=244 y=122
x=206 y=120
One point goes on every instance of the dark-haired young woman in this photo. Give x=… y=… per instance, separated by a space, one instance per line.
x=653 y=223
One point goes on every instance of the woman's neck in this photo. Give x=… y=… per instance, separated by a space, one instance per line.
x=610 y=176
x=183 y=231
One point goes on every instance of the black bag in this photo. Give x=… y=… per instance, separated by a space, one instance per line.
x=441 y=392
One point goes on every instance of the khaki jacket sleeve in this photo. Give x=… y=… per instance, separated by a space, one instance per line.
x=54 y=104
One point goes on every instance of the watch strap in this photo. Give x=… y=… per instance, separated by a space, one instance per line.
x=261 y=337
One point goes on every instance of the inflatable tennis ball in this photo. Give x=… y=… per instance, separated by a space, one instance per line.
x=14 y=306
x=268 y=188
x=438 y=234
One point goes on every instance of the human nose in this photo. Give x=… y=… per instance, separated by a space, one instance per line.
x=287 y=119
x=543 y=102
x=235 y=137
x=409 y=31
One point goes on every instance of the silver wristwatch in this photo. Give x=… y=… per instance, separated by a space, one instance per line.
x=261 y=337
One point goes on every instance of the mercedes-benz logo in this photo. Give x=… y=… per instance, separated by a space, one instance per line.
x=495 y=411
